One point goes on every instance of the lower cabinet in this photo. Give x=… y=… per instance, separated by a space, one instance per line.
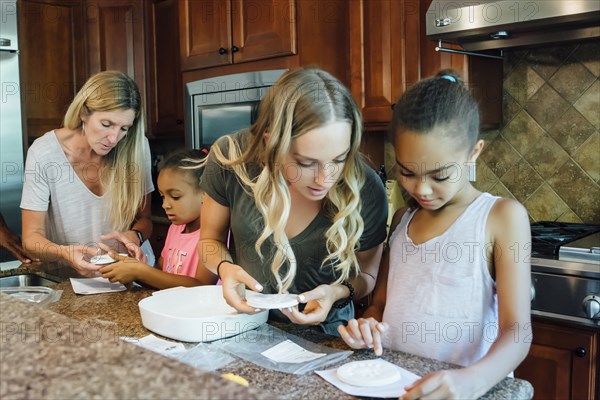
x=562 y=362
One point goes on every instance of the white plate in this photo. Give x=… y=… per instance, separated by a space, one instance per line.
x=196 y=314
x=102 y=259
x=369 y=373
x=270 y=301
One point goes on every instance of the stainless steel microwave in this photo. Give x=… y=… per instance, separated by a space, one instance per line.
x=221 y=105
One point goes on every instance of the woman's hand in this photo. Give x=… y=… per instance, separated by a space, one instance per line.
x=234 y=281
x=364 y=333
x=447 y=384
x=78 y=255
x=130 y=240
x=125 y=270
x=318 y=304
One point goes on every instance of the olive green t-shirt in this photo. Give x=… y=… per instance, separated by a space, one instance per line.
x=309 y=247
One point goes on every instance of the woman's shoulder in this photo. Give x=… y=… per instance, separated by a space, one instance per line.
x=45 y=144
x=239 y=138
x=373 y=182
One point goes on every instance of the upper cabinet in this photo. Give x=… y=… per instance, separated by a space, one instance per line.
x=389 y=51
x=379 y=63
x=164 y=107
x=52 y=60
x=63 y=42
x=222 y=32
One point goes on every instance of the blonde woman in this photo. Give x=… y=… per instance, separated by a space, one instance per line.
x=307 y=215
x=89 y=182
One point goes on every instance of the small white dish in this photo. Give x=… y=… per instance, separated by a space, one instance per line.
x=368 y=373
x=271 y=301
x=102 y=259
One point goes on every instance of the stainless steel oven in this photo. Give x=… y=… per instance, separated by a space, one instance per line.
x=565 y=272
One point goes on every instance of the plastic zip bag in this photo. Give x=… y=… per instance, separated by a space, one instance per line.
x=204 y=357
x=251 y=344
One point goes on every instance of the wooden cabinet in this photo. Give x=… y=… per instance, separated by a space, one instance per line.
x=63 y=42
x=52 y=60
x=165 y=113
x=115 y=38
x=389 y=51
x=562 y=362
x=221 y=32
x=378 y=34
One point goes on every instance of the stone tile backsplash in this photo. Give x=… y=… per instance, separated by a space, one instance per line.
x=547 y=153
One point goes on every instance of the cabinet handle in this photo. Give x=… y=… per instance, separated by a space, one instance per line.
x=580 y=352
x=234 y=49
x=179 y=121
x=222 y=50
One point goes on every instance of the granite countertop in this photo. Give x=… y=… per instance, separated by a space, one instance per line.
x=41 y=358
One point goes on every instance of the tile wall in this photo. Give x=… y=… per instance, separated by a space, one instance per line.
x=547 y=153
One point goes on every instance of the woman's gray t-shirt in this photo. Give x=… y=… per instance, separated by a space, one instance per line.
x=246 y=223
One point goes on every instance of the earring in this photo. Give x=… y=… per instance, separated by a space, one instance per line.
x=472 y=171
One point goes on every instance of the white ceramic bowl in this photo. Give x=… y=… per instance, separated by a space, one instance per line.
x=196 y=314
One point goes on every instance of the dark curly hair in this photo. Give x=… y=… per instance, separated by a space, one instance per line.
x=186 y=161
x=440 y=101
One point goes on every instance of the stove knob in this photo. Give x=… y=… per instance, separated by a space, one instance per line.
x=591 y=306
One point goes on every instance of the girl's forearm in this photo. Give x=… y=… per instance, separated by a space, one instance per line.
x=507 y=352
x=163 y=280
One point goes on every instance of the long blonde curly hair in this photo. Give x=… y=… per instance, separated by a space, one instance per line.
x=125 y=164
x=301 y=100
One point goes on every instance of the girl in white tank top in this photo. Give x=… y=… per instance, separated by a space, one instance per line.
x=454 y=284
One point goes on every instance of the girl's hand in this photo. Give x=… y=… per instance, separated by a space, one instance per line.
x=364 y=333
x=124 y=271
x=318 y=304
x=77 y=256
x=130 y=240
x=234 y=281
x=448 y=384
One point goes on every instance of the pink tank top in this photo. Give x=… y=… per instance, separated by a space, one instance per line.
x=180 y=254
x=441 y=300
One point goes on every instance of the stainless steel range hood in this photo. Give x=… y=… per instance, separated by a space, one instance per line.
x=487 y=24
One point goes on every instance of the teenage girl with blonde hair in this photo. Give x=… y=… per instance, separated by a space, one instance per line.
x=90 y=181
x=307 y=215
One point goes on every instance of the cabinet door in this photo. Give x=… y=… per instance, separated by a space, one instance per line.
x=205 y=33
x=561 y=363
x=52 y=61
x=165 y=91
x=116 y=38
x=377 y=57
x=263 y=29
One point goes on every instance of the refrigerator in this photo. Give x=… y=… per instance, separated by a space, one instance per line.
x=11 y=130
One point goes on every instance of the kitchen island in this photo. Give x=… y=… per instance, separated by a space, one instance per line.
x=71 y=348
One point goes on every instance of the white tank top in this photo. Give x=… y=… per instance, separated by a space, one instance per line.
x=441 y=300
